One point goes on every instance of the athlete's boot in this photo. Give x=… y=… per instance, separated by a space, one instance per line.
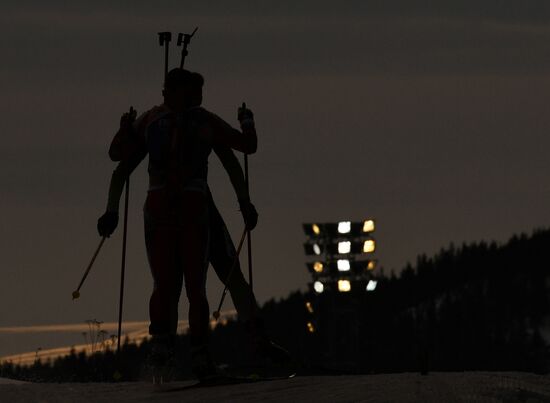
x=202 y=363
x=161 y=358
x=274 y=354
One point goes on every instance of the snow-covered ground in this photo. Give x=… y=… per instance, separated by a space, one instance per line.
x=408 y=387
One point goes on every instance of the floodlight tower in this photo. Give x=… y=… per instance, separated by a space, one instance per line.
x=338 y=250
x=341 y=263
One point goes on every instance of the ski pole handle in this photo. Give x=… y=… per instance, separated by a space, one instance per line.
x=76 y=293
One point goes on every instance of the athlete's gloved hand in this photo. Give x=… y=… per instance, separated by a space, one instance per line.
x=128 y=118
x=246 y=117
x=107 y=223
x=250 y=215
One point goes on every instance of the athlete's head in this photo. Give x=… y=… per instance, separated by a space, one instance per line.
x=183 y=89
x=197 y=82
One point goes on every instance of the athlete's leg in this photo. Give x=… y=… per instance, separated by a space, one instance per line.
x=161 y=237
x=194 y=260
x=192 y=256
x=222 y=255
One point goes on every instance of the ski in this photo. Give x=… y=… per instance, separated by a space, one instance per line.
x=224 y=380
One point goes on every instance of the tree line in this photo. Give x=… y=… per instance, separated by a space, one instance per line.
x=477 y=306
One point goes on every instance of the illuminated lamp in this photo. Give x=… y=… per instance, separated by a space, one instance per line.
x=344 y=227
x=318 y=267
x=369 y=246
x=343 y=265
x=309 y=307
x=371 y=286
x=315 y=267
x=361 y=266
x=318 y=287
x=344 y=286
x=312 y=230
x=310 y=327
x=368 y=226
x=313 y=249
x=344 y=247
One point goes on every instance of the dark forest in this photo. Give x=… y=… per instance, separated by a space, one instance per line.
x=477 y=306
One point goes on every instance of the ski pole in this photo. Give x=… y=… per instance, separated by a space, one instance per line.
x=164 y=40
x=123 y=264
x=239 y=247
x=76 y=293
x=185 y=39
x=249 y=244
x=249 y=240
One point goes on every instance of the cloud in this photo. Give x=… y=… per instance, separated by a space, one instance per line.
x=504 y=10
x=82 y=43
x=84 y=327
x=352 y=84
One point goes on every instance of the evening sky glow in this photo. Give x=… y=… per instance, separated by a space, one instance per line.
x=432 y=119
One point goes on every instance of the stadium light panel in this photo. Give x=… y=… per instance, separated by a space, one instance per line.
x=368 y=226
x=313 y=248
x=343 y=265
x=312 y=230
x=344 y=286
x=316 y=249
x=316 y=268
x=344 y=227
x=315 y=228
x=318 y=287
x=369 y=246
x=344 y=247
x=371 y=286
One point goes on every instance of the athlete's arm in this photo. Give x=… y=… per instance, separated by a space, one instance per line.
x=130 y=138
x=235 y=172
x=123 y=170
x=121 y=143
x=245 y=141
x=107 y=223
x=233 y=168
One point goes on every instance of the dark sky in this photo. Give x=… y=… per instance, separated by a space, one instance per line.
x=431 y=118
